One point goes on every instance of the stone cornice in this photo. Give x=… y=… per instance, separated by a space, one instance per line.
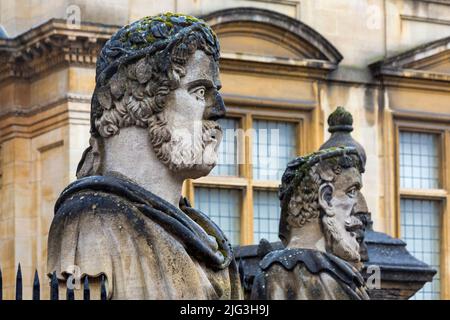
x=410 y=68
x=422 y=115
x=413 y=56
x=35 y=109
x=56 y=43
x=305 y=68
x=50 y=45
x=424 y=19
x=287 y=26
x=30 y=123
x=444 y=2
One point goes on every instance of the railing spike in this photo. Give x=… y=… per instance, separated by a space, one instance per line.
x=1 y=285
x=19 y=283
x=54 y=287
x=70 y=294
x=103 y=288
x=86 y=290
x=36 y=287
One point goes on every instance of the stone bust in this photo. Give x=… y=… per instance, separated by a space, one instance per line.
x=340 y=125
x=319 y=194
x=153 y=125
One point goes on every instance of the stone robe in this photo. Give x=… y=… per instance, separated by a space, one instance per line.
x=146 y=247
x=305 y=274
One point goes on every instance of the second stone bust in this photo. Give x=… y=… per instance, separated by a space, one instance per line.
x=319 y=195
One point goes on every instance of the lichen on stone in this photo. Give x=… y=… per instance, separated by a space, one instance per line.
x=151 y=28
x=340 y=117
x=299 y=168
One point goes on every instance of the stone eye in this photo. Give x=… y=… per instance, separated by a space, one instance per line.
x=352 y=192
x=200 y=92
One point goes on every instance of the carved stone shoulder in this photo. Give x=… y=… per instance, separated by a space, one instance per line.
x=316 y=262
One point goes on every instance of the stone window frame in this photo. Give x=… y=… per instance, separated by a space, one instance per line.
x=245 y=181
x=417 y=123
x=315 y=58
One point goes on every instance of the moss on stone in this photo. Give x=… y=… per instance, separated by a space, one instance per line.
x=150 y=38
x=340 y=116
x=144 y=27
x=305 y=166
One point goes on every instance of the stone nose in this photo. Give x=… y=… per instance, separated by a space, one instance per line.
x=217 y=109
x=361 y=204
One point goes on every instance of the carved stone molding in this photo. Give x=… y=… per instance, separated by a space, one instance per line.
x=51 y=45
x=426 y=66
x=55 y=114
x=424 y=19
x=285 y=46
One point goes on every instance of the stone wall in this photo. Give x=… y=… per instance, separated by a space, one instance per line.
x=47 y=78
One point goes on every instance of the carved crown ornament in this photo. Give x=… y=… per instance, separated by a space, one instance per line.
x=51 y=45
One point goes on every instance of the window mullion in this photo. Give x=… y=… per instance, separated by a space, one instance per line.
x=445 y=254
x=247 y=203
x=432 y=194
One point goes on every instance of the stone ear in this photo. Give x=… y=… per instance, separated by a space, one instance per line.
x=325 y=195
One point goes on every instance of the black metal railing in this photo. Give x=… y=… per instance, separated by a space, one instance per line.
x=54 y=287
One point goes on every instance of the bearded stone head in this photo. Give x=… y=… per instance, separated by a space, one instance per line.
x=340 y=123
x=160 y=73
x=323 y=188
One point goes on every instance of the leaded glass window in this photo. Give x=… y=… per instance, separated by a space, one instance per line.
x=421 y=230
x=266 y=215
x=227 y=164
x=274 y=145
x=421 y=216
x=419 y=160
x=223 y=207
x=240 y=193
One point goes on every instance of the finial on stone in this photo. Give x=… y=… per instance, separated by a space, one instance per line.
x=340 y=120
x=340 y=124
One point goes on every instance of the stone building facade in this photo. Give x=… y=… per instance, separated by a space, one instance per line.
x=285 y=66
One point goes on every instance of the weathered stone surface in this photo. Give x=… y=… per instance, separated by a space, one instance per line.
x=153 y=125
x=319 y=197
x=320 y=200
x=401 y=275
x=51 y=114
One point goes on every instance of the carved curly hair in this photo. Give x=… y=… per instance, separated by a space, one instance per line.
x=298 y=192
x=139 y=66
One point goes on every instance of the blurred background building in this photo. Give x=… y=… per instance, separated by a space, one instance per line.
x=285 y=66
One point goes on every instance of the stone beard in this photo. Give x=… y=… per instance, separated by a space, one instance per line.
x=154 y=124
x=319 y=194
x=341 y=242
x=181 y=150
